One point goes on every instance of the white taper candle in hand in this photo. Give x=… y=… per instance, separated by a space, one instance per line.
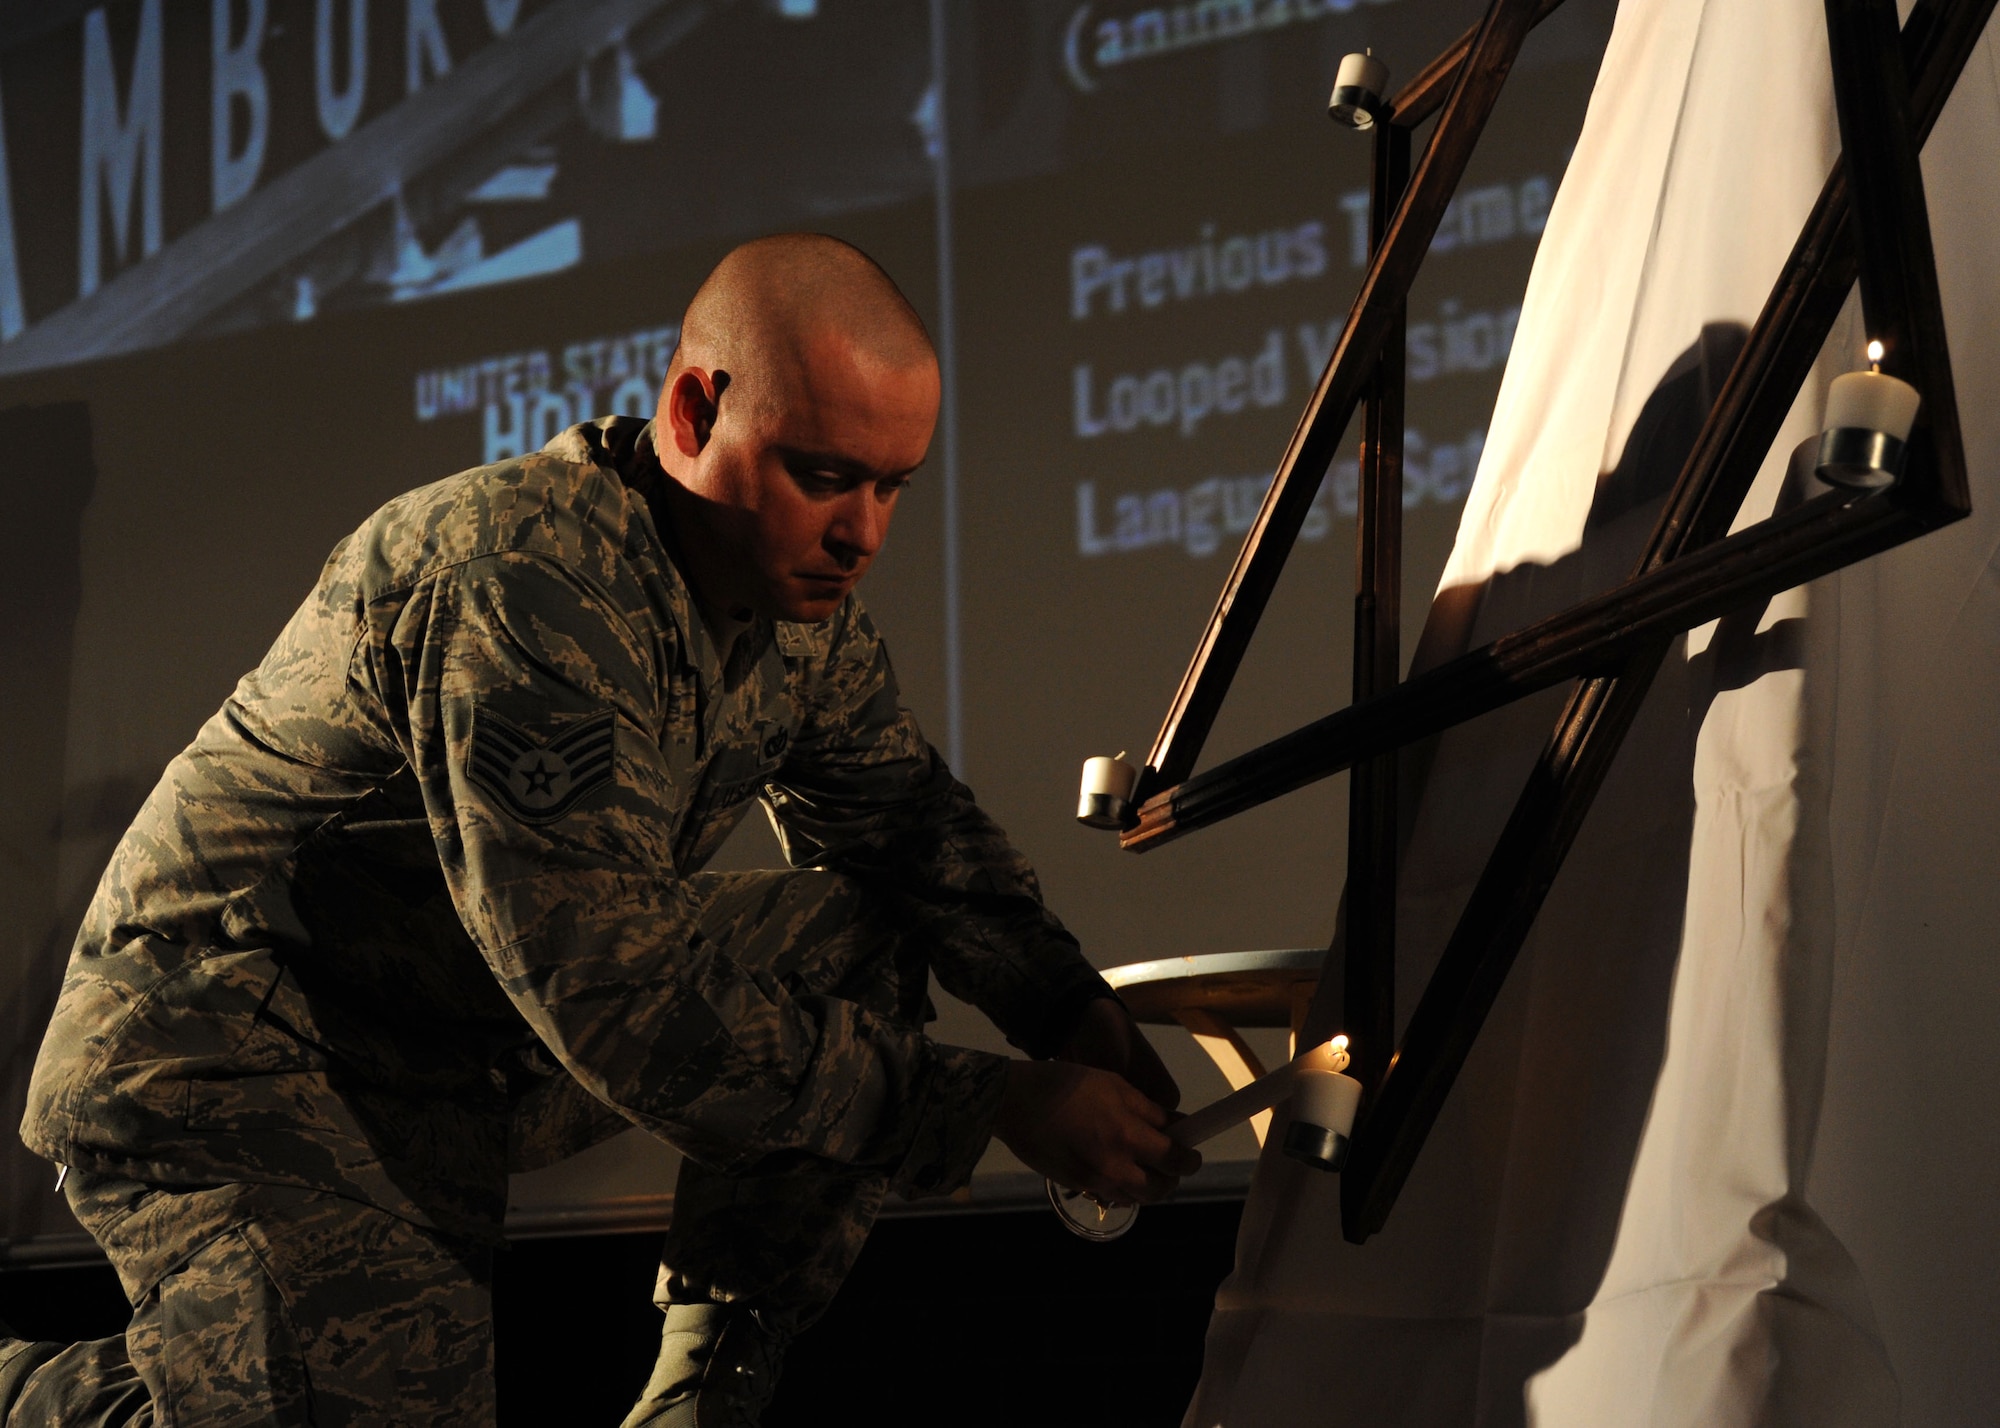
x=1323 y=1106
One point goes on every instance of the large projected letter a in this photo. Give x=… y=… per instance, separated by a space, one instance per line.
x=113 y=147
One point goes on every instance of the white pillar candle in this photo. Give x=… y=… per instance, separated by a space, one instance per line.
x=1872 y=401
x=1106 y=795
x=1364 y=72
x=1112 y=776
x=1326 y=1099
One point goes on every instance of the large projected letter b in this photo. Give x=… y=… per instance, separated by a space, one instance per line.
x=238 y=70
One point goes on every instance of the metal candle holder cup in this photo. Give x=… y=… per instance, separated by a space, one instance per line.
x=1868 y=420
x=1358 y=88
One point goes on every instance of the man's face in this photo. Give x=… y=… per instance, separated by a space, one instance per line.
x=794 y=494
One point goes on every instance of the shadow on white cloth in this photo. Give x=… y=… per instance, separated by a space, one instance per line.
x=1723 y=1152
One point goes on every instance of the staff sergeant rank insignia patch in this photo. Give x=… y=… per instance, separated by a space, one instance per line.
x=539 y=780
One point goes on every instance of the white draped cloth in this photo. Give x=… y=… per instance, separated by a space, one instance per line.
x=1726 y=1151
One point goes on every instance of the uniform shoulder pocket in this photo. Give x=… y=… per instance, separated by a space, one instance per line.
x=539 y=774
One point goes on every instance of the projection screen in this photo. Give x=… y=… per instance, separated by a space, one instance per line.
x=266 y=263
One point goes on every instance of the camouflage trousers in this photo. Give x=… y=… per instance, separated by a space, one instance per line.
x=781 y=1239
x=267 y=1305
x=274 y=1305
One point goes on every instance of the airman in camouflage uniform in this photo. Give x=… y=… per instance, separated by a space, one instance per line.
x=421 y=904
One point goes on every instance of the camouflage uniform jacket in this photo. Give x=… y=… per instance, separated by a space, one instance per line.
x=449 y=822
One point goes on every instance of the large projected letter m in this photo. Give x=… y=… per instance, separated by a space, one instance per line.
x=113 y=147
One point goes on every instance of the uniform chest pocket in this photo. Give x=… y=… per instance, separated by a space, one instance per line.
x=735 y=776
x=737 y=773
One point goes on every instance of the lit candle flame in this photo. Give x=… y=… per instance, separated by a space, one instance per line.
x=1337 y=1056
x=1875 y=350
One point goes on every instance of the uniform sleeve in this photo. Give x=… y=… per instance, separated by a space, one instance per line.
x=532 y=714
x=864 y=793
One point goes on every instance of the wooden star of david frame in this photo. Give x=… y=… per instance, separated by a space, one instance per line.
x=1869 y=222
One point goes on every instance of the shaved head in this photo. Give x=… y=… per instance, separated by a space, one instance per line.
x=773 y=304
x=799 y=402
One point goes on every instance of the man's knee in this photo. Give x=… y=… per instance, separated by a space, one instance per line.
x=275 y=1305
x=384 y=1314
x=91 y=1382
x=220 y=1343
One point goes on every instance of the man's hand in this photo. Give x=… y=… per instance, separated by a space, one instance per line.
x=1092 y=1131
x=1105 y=1036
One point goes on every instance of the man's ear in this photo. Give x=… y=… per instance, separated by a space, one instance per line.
x=691 y=408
